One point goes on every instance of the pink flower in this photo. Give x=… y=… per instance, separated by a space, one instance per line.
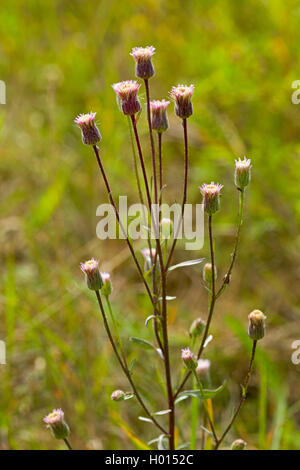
x=188 y=358
x=182 y=95
x=89 y=131
x=211 y=197
x=142 y=56
x=55 y=417
x=92 y=274
x=127 y=92
x=56 y=422
x=159 y=115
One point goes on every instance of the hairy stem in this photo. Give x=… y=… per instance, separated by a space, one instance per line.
x=67 y=443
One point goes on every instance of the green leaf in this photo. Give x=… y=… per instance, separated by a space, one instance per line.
x=162 y=412
x=144 y=344
x=205 y=394
x=184 y=264
x=152 y=317
x=147 y=420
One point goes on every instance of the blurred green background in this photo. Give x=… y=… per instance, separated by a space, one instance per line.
x=59 y=59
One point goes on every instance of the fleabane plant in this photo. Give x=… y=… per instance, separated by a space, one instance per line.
x=154 y=266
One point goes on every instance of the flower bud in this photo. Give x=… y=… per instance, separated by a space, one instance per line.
x=148 y=258
x=92 y=274
x=188 y=358
x=166 y=227
x=207 y=273
x=107 y=286
x=55 y=421
x=197 y=328
x=89 y=131
x=159 y=120
x=238 y=444
x=182 y=95
x=118 y=395
x=143 y=63
x=256 y=328
x=202 y=369
x=211 y=197
x=242 y=173
x=127 y=93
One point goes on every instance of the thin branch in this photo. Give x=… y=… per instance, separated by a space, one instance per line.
x=123 y=366
x=243 y=396
x=111 y=199
x=67 y=443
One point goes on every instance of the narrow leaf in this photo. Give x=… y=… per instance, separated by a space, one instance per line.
x=191 y=262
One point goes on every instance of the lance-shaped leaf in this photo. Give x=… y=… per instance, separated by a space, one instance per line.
x=202 y=395
x=144 y=344
x=184 y=264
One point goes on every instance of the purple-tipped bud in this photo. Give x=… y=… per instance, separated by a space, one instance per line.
x=143 y=63
x=242 y=175
x=207 y=273
x=256 y=327
x=89 y=131
x=211 y=197
x=55 y=421
x=127 y=93
x=182 y=95
x=159 y=121
x=92 y=274
x=107 y=286
x=239 y=444
x=118 y=395
x=189 y=359
x=197 y=328
x=202 y=369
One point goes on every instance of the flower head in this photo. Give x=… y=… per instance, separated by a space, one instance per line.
x=203 y=367
x=207 y=273
x=107 y=286
x=89 y=130
x=117 y=395
x=211 y=197
x=242 y=173
x=159 y=119
x=256 y=327
x=92 y=274
x=142 y=56
x=55 y=421
x=127 y=93
x=197 y=328
x=182 y=95
x=238 y=444
x=166 y=226
x=148 y=257
x=188 y=358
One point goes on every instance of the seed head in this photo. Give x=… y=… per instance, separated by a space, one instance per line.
x=159 y=119
x=188 y=358
x=211 y=197
x=207 y=273
x=107 y=286
x=89 y=130
x=238 y=444
x=92 y=274
x=197 y=328
x=117 y=395
x=143 y=63
x=127 y=93
x=55 y=421
x=242 y=175
x=182 y=95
